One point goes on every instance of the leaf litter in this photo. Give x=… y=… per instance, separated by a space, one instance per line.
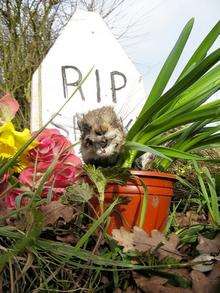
x=140 y=241
x=55 y=210
x=204 y=276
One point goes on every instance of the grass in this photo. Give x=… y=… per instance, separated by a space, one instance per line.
x=35 y=258
x=31 y=262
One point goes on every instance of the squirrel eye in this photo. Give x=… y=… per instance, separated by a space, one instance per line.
x=100 y=132
x=86 y=127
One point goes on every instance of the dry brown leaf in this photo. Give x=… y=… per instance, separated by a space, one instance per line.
x=128 y=290
x=214 y=279
x=199 y=282
x=132 y=290
x=209 y=246
x=153 y=284
x=140 y=241
x=156 y=284
x=56 y=210
x=183 y=272
x=117 y=290
x=171 y=289
x=69 y=239
x=124 y=238
x=190 y=218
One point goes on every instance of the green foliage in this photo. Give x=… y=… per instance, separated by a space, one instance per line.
x=209 y=193
x=97 y=223
x=190 y=235
x=28 y=240
x=183 y=105
x=100 y=177
x=79 y=192
x=97 y=178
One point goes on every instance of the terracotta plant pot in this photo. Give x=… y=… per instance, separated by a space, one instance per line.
x=159 y=193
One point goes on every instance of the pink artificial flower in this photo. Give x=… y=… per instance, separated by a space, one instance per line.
x=3 y=182
x=28 y=177
x=56 y=193
x=64 y=174
x=10 y=199
x=4 y=178
x=65 y=170
x=8 y=108
x=51 y=144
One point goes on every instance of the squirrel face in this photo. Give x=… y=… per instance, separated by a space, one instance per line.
x=102 y=136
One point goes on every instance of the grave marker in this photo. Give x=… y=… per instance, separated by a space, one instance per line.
x=85 y=42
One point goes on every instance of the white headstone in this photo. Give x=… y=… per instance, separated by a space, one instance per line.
x=85 y=42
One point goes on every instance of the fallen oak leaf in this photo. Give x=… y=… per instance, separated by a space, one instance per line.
x=209 y=246
x=214 y=279
x=139 y=240
x=55 y=210
x=190 y=218
x=124 y=238
x=168 y=249
x=199 y=282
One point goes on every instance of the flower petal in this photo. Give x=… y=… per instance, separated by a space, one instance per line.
x=8 y=108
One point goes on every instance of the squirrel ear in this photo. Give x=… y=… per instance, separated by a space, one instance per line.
x=79 y=120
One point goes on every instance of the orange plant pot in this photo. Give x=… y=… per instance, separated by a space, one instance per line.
x=159 y=193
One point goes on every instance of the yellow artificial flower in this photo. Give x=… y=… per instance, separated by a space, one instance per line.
x=11 y=141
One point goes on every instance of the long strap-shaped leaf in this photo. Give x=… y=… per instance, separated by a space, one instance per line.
x=188 y=144
x=212 y=141
x=208 y=81
x=169 y=66
x=202 y=50
x=96 y=224
x=195 y=96
x=180 y=134
x=144 y=148
x=172 y=94
x=209 y=110
x=168 y=152
x=65 y=251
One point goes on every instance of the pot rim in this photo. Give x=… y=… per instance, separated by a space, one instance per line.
x=158 y=174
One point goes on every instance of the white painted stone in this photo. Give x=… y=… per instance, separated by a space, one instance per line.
x=85 y=42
